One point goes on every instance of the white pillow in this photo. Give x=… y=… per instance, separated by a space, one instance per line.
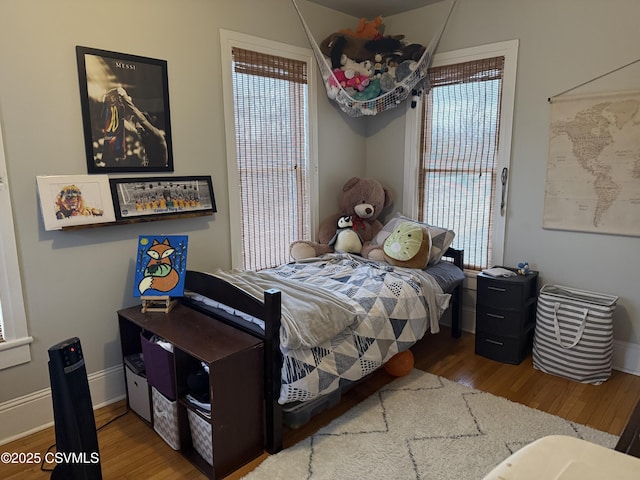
x=441 y=238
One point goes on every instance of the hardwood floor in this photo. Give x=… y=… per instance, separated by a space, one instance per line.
x=129 y=449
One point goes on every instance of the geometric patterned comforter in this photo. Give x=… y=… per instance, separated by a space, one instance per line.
x=395 y=308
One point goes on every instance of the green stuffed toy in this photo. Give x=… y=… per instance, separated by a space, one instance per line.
x=408 y=246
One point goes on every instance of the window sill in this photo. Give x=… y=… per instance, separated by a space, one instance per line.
x=15 y=352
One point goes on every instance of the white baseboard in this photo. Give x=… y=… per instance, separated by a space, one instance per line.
x=31 y=413
x=626 y=357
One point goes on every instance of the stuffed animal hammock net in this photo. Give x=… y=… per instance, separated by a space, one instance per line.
x=381 y=91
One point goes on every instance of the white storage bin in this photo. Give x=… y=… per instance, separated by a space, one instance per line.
x=201 y=436
x=165 y=418
x=138 y=394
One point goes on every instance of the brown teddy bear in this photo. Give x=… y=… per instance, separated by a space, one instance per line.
x=363 y=199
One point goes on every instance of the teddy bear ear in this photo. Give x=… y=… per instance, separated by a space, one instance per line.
x=388 y=198
x=350 y=183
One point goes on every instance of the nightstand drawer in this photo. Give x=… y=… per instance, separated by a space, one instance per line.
x=511 y=293
x=504 y=322
x=504 y=349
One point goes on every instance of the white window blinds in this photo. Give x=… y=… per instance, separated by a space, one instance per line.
x=270 y=111
x=458 y=150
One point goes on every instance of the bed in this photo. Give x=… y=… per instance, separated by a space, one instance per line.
x=362 y=312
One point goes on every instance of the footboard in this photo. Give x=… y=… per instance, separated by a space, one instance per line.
x=268 y=311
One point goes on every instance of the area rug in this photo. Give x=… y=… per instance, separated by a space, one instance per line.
x=420 y=427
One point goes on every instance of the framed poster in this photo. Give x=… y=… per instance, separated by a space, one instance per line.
x=69 y=200
x=161 y=265
x=125 y=112
x=151 y=197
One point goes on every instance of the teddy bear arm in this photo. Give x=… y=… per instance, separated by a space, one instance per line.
x=328 y=228
x=369 y=229
x=376 y=226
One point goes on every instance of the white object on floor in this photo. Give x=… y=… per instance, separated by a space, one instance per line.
x=559 y=457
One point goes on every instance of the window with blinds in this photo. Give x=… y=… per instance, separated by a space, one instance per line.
x=459 y=141
x=14 y=338
x=270 y=98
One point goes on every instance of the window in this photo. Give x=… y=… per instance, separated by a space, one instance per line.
x=271 y=157
x=14 y=341
x=464 y=143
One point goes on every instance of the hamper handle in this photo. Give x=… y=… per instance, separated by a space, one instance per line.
x=556 y=327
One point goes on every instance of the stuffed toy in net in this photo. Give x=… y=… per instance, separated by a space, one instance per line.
x=398 y=69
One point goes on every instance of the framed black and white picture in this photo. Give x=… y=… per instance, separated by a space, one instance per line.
x=125 y=112
x=161 y=196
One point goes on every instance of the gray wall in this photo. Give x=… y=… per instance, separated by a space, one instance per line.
x=74 y=281
x=563 y=43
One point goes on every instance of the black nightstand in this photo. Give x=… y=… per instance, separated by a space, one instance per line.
x=506 y=316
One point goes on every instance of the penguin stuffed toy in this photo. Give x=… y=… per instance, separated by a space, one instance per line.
x=346 y=239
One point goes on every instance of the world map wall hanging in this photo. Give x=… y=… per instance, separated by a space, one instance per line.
x=593 y=169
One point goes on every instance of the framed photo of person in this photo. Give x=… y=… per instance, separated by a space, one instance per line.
x=125 y=112
x=70 y=200
x=161 y=196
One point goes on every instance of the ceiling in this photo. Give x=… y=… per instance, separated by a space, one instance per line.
x=372 y=8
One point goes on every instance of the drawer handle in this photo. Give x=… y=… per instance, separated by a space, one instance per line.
x=497 y=289
x=495 y=342
x=501 y=317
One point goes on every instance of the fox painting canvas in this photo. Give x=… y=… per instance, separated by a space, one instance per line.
x=161 y=263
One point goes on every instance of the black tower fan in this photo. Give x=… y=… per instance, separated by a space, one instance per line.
x=77 y=454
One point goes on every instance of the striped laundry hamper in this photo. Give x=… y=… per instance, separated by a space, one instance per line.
x=574 y=334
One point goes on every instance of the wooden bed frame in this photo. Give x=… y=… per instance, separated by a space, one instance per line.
x=269 y=311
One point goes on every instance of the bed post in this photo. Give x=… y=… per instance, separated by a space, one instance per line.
x=456 y=308
x=272 y=370
x=456 y=312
